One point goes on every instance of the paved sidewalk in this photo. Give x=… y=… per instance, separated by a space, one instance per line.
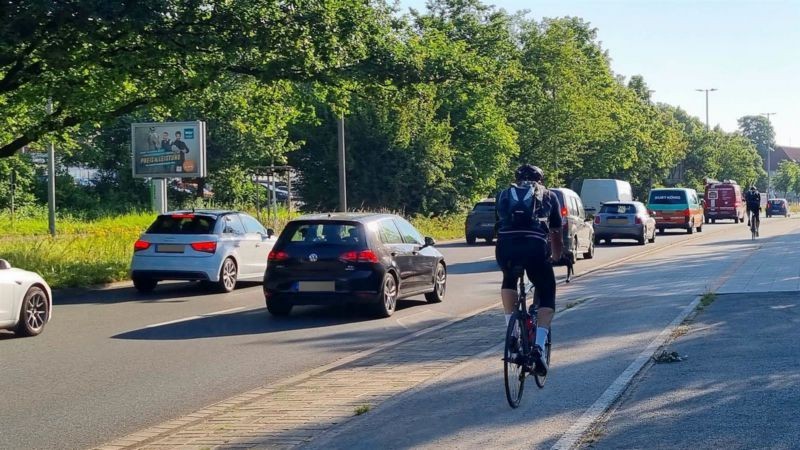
x=293 y=412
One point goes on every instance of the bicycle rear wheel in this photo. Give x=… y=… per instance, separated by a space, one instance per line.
x=513 y=358
x=540 y=379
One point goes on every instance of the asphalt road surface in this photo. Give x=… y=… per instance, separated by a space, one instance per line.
x=112 y=362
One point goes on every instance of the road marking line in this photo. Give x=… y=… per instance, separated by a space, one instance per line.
x=573 y=436
x=185 y=319
x=486 y=258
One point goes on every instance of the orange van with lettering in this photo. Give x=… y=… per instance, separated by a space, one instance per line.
x=676 y=208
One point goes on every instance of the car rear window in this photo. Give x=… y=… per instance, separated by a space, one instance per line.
x=183 y=224
x=618 y=209
x=668 y=198
x=329 y=233
x=484 y=207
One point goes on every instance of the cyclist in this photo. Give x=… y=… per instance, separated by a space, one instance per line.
x=529 y=234
x=753 y=200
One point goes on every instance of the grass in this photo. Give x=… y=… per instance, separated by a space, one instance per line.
x=361 y=409
x=706 y=300
x=98 y=251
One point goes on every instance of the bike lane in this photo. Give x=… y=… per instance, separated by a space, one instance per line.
x=599 y=346
x=738 y=383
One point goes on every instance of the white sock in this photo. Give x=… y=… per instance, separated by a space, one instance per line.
x=541 y=336
x=508 y=318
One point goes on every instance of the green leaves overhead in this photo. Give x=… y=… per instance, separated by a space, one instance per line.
x=440 y=105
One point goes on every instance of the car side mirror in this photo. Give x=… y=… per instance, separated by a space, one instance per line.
x=429 y=242
x=4 y=265
x=270 y=232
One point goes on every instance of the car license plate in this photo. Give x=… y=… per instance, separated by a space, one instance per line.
x=617 y=221
x=169 y=248
x=316 y=286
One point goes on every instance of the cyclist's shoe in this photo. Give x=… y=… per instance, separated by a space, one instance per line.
x=540 y=364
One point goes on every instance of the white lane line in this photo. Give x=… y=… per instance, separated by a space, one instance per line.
x=573 y=436
x=185 y=319
x=486 y=258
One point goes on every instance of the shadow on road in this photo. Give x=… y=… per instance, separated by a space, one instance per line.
x=472 y=267
x=259 y=321
x=462 y=244
x=174 y=292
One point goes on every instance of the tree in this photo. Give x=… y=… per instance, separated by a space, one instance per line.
x=787 y=178
x=759 y=131
x=98 y=60
x=639 y=87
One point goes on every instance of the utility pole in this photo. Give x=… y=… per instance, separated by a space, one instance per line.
x=769 y=154
x=706 y=91
x=51 y=178
x=342 y=172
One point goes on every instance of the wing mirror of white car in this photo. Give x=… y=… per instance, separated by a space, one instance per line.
x=4 y=265
x=429 y=242
x=270 y=233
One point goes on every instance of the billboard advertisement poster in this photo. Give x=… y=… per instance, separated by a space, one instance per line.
x=169 y=150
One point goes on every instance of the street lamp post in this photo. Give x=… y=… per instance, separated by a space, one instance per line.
x=706 y=91
x=769 y=155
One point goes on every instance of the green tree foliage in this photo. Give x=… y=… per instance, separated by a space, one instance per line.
x=98 y=60
x=17 y=178
x=439 y=105
x=760 y=132
x=787 y=178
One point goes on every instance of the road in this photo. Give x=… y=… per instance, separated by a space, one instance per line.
x=113 y=362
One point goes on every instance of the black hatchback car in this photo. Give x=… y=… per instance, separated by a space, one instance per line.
x=374 y=259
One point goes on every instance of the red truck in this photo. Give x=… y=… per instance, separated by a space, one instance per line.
x=723 y=200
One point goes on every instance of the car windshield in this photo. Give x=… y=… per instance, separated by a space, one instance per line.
x=618 y=209
x=667 y=198
x=183 y=224
x=329 y=233
x=484 y=207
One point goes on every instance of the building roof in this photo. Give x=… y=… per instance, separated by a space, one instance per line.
x=783 y=153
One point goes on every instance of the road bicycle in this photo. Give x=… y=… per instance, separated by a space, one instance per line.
x=755 y=222
x=519 y=354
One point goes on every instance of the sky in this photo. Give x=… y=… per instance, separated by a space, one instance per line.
x=748 y=50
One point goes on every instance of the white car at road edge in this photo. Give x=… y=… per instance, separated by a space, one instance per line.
x=26 y=301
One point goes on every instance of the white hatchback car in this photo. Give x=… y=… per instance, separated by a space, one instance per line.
x=215 y=247
x=26 y=303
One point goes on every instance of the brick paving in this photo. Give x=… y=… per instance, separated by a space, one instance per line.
x=288 y=415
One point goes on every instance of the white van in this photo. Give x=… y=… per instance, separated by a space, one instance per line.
x=594 y=192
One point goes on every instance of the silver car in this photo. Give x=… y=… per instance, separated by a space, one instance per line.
x=215 y=247
x=624 y=220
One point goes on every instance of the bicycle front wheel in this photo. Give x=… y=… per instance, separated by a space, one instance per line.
x=513 y=359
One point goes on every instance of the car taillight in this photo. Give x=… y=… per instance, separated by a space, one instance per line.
x=182 y=216
x=638 y=220
x=277 y=255
x=140 y=245
x=687 y=213
x=206 y=247
x=564 y=211
x=362 y=256
x=597 y=220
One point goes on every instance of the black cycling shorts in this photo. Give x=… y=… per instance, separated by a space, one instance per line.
x=532 y=254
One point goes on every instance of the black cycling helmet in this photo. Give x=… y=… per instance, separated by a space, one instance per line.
x=753 y=188
x=527 y=172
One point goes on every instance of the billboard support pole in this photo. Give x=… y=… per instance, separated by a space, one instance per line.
x=160 y=188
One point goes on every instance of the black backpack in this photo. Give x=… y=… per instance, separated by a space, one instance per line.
x=525 y=206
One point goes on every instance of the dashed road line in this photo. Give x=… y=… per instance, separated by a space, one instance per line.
x=186 y=319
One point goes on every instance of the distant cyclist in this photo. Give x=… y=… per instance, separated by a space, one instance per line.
x=529 y=233
x=753 y=200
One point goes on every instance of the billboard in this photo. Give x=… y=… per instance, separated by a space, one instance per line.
x=169 y=150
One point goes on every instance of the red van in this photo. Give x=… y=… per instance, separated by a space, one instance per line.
x=723 y=200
